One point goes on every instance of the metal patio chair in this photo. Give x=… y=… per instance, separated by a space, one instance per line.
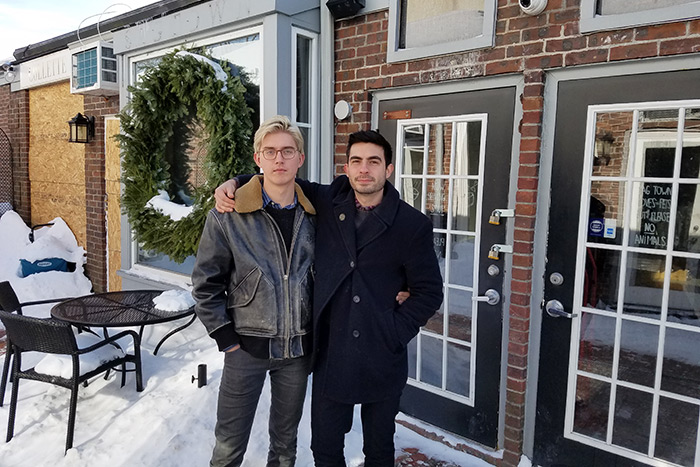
x=10 y=303
x=52 y=336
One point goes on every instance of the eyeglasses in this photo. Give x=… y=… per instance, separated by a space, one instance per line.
x=271 y=154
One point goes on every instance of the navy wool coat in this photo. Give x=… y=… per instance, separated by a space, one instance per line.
x=360 y=331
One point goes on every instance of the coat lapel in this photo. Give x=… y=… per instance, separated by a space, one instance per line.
x=344 y=212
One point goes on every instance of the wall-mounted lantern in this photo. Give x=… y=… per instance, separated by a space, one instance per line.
x=82 y=128
x=603 y=148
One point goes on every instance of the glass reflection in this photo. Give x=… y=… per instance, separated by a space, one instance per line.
x=687 y=237
x=644 y=285
x=412 y=357
x=684 y=299
x=606 y=212
x=690 y=163
x=431 y=361
x=611 y=146
x=681 y=364
x=591 y=412
x=459 y=314
x=436 y=201
x=632 y=419
x=439 y=148
x=413 y=148
x=458 y=369
x=467 y=148
x=412 y=192
x=676 y=430
x=651 y=215
x=465 y=196
x=461 y=260
x=639 y=344
x=596 y=344
x=435 y=323
x=602 y=278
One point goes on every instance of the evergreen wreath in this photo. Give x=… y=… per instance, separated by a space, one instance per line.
x=180 y=86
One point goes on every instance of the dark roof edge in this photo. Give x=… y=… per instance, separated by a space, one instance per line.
x=148 y=12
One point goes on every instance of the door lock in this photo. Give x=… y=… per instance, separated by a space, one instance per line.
x=555 y=309
x=491 y=296
x=497 y=249
x=495 y=217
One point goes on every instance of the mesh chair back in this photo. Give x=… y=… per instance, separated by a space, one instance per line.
x=8 y=299
x=39 y=335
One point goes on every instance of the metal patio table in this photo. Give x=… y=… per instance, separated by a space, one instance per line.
x=120 y=309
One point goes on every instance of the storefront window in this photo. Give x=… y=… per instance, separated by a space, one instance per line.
x=242 y=55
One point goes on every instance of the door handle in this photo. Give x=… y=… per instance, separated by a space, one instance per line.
x=491 y=296
x=555 y=309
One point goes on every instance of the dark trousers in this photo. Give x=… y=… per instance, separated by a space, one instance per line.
x=241 y=384
x=331 y=421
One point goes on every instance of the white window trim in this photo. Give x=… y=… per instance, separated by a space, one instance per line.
x=394 y=54
x=591 y=22
x=312 y=159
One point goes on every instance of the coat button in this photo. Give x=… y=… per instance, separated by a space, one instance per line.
x=356 y=299
x=341 y=217
x=352 y=264
x=356 y=334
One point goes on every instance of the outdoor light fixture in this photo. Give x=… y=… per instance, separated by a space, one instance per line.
x=603 y=148
x=82 y=128
x=344 y=8
x=9 y=70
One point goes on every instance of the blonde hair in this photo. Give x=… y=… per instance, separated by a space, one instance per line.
x=277 y=124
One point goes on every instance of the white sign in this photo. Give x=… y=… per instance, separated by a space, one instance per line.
x=44 y=70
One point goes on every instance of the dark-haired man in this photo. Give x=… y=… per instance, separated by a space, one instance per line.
x=369 y=245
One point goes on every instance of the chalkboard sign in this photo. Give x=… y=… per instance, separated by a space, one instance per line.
x=655 y=216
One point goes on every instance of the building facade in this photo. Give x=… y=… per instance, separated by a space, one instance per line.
x=553 y=143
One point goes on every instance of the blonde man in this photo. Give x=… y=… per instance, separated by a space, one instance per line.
x=253 y=284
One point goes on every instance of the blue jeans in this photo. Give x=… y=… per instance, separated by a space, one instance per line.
x=241 y=384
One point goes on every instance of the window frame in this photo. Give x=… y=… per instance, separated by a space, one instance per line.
x=395 y=54
x=312 y=143
x=591 y=22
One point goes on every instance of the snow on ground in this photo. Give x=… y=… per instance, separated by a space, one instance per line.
x=170 y=423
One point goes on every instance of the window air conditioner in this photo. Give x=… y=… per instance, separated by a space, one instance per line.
x=94 y=70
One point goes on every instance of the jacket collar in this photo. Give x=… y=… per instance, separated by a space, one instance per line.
x=249 y=197
x=386 y=210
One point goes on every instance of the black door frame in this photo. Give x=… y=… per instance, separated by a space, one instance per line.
x=480 y=84
x=552 y=87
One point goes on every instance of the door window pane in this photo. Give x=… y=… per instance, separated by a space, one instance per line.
x=601 y=284
x=639 y=344
x=645 y=285
x=465 y=196
x=431 y=361
x=467 y=148
x=606 y=217
x=597 y=344
x=651 y=214
x=684 y=299
x=462 y=260
x=592 y=402
x=681 y=365
x=676 y=430
x=611 y=145
x=459 y=314
x=458 y=365
x=440 y=148
x=632 y=419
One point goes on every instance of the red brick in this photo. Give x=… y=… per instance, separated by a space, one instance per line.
x=404 y=80
x=661 y=31
x=538 y=34
x=371 y=49
x=679 y=46
x=544 y=61
x=503 y=66
x=586 y=56
x=521 y=274
x=634 y=51
x=368 y=72
x=566 y=45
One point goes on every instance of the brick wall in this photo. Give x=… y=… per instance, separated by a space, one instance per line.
x=18 y=126
x=526 y=45
x=95 y=192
